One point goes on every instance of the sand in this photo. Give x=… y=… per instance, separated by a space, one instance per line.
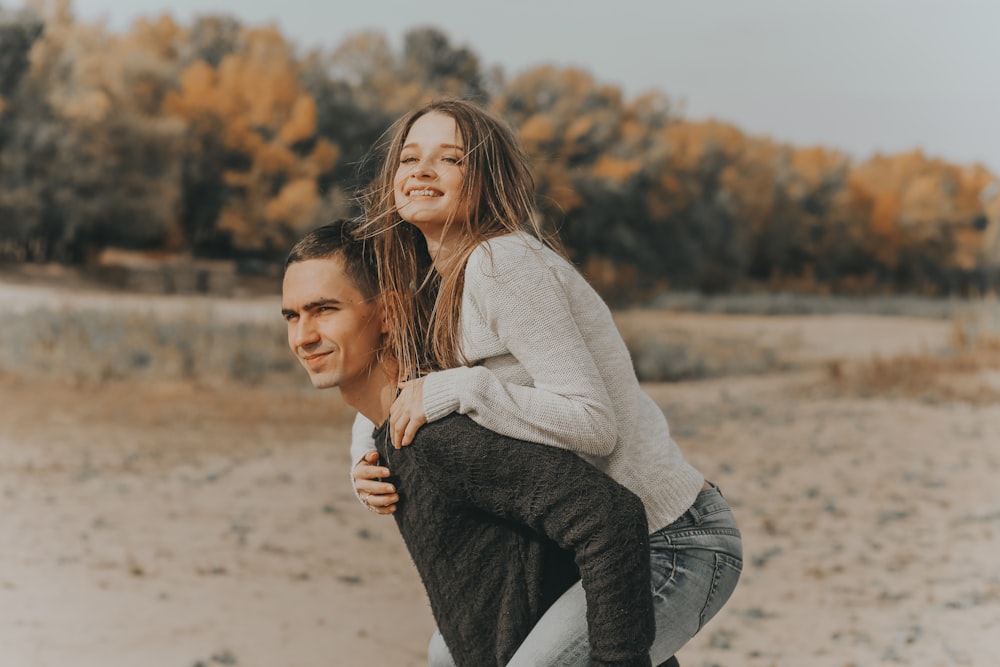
x=169 y=524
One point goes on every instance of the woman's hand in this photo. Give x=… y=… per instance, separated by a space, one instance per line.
x=380 y=497
x=406 y=414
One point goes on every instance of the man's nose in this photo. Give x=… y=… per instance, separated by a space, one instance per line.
x=304 y=333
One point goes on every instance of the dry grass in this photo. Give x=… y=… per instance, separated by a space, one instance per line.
x=969 y=371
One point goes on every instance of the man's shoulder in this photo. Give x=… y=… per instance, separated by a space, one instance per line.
x=450 y=426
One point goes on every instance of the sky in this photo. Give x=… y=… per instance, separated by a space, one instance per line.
x=861 y=76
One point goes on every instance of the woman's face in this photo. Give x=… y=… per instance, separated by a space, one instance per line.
x=429 y=177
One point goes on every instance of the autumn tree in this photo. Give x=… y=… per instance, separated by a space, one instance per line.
x=252 y=138
x=18 y=31
x=83 y=166
x=362 y=86
x=218 y=139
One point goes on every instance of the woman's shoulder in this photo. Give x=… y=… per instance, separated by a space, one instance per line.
x=501 y=254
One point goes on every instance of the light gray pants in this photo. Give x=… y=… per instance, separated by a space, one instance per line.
x=696 y=562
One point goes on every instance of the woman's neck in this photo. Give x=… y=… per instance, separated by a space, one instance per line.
x=444 y=248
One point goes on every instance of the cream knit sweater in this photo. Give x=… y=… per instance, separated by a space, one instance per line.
x=548 y=365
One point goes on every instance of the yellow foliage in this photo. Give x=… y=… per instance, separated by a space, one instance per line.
x=240 y=179
x=691 y=141
x=232 y=220
x=240 y=136
x=578 y=128
x=301 y=122
x=273 y=158
x=195 y=92
x=924 y=201
x=615 y=169
x=296 y=205
x=323 y=158
x=560 y=191
x=264 y=112
x=157 y=36
x=633 y=131
x=814 y=164
x=884 y=214
x=537 y=131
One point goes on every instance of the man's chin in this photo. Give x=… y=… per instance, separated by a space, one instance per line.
x=322 y=381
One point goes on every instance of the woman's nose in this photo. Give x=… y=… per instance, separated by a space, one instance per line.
x=424 y=169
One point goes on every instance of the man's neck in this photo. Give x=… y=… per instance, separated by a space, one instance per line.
x=373 y=395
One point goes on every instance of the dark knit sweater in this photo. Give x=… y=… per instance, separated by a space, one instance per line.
x=482 y=516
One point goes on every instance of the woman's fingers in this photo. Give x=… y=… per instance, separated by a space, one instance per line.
x=410 y=431
x=406 y=414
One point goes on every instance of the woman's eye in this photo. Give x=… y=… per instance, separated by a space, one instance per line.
x=450 y=159
x=409 y=159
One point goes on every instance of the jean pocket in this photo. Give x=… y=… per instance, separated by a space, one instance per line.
x=727 y=574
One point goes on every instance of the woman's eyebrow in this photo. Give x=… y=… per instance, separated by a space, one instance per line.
x=415 y=145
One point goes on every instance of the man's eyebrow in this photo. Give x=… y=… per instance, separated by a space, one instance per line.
x=312 y=305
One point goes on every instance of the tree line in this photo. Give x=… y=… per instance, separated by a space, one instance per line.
x=220 y=139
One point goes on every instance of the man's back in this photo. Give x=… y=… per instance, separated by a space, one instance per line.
x=493 y=524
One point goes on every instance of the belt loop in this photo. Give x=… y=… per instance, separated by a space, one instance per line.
x=695 y=515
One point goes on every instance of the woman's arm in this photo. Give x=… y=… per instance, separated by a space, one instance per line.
x=531 y=308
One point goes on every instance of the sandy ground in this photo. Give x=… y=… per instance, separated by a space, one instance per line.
x=171 y=525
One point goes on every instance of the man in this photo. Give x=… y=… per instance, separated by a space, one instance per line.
x=488 y=520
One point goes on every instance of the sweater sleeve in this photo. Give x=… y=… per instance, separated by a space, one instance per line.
x=513 y=292
x=557 y=494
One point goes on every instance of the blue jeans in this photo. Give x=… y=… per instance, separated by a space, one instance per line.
x=696 y=562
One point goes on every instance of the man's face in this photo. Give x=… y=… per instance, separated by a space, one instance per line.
x=332 y=329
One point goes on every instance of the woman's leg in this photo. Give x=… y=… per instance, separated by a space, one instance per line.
x=437 y=652
x=696 y=562
x=559 y=639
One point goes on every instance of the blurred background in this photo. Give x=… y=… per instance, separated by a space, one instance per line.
x=849 y=149
x=683 y=150
x=793 y=207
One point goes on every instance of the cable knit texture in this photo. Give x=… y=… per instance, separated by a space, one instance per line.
x=547 y=364
x=490 y=523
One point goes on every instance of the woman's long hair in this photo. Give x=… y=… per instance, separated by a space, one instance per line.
x=423 y=309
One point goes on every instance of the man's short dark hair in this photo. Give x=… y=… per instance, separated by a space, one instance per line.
x=337 y=239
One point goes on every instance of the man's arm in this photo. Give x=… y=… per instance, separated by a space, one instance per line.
x=559 y=495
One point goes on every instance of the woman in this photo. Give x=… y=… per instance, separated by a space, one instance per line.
x=528 y=349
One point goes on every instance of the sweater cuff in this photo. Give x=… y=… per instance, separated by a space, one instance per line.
x=441 y=391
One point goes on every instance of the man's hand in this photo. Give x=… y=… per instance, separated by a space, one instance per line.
x=406 y=414
x=380 y=497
